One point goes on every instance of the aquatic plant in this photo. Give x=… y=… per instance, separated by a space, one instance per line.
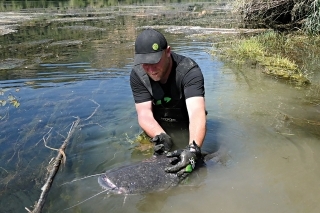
x=267 y=50
x=4 y=100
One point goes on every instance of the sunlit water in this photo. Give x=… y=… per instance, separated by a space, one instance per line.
x=268 y=143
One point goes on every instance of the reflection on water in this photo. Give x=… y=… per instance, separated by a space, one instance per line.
x=267 y=131
x=69 y=4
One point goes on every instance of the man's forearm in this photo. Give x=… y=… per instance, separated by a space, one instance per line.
x=197 y=128
x=197 y=119
x=146 y=119
x=150 y=126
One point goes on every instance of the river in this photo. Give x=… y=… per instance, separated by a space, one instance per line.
x=76 y=63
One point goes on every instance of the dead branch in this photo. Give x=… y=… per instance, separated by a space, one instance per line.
x=56 y=162
x=60 y=156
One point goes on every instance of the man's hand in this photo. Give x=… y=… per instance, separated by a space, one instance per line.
x=163 y=143
x=187 y=159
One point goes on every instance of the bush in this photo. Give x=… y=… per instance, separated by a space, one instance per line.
x=312 y=24
x=281 y=14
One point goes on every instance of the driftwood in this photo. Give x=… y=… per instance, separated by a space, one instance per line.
x=57 y=161
x=61 y=157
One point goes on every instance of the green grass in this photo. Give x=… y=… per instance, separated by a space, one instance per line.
x=269 y=50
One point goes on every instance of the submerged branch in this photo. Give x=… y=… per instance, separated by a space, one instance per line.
x=60 y=156
x=56 y=162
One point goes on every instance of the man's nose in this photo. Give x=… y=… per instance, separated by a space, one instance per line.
x=149 y=67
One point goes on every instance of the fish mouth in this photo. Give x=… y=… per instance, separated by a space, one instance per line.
x=108 y=185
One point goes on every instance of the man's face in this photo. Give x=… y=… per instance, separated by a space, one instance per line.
x=160 y=70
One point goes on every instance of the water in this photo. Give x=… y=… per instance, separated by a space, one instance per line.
x=267 y=129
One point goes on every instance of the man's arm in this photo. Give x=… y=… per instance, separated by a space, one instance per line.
x=197 y=119
x=146 y=119
x=197 y=131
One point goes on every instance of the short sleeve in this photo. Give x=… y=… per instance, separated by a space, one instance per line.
x=193 y=83
x=139 y=91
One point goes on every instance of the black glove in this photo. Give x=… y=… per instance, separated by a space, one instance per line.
x=187 y=159
x=163 y=143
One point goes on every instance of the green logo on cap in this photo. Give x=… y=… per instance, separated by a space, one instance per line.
x=155 y=46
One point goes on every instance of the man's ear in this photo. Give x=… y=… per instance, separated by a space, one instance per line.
x=168 y=51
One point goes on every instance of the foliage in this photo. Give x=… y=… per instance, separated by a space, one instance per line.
x=281 y=14
x=312 y=24
x=10 y=99
x=264 y=50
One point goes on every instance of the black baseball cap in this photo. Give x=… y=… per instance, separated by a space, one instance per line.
x=149 y=46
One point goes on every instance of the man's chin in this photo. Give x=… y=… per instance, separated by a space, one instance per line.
x=155 y=78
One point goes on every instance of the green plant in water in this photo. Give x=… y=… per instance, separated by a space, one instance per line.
x=143 y=138
x=279 y=61
x=143 y=143
x=249 y=49
x=10 y=99
x=267 y=50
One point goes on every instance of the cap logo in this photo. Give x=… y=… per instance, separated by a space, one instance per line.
x=155 y=46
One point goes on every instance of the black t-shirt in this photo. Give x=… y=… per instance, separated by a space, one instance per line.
x=192 y=82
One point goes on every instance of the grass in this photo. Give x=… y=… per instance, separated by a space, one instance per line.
x=271 y=50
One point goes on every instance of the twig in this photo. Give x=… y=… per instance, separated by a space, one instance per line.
x=28 y=210
x=92 y=124
x=7 y=113
x=61 y=155
x=94 y=110
x=4 y=169
x=45 y=140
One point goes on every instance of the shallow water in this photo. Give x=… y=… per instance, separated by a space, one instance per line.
x=267 y=129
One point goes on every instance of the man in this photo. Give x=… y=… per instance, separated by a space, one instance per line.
x=168 y=88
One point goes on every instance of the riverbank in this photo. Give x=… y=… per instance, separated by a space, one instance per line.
x=282 y=56
x=193 y=20
x=55 y=30
x=10 y=21
x=290 y=45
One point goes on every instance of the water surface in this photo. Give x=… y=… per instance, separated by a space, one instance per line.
x=267 y=129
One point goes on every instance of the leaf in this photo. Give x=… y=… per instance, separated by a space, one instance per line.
x=15 y=103
x=11 y=98
x=3 y=102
